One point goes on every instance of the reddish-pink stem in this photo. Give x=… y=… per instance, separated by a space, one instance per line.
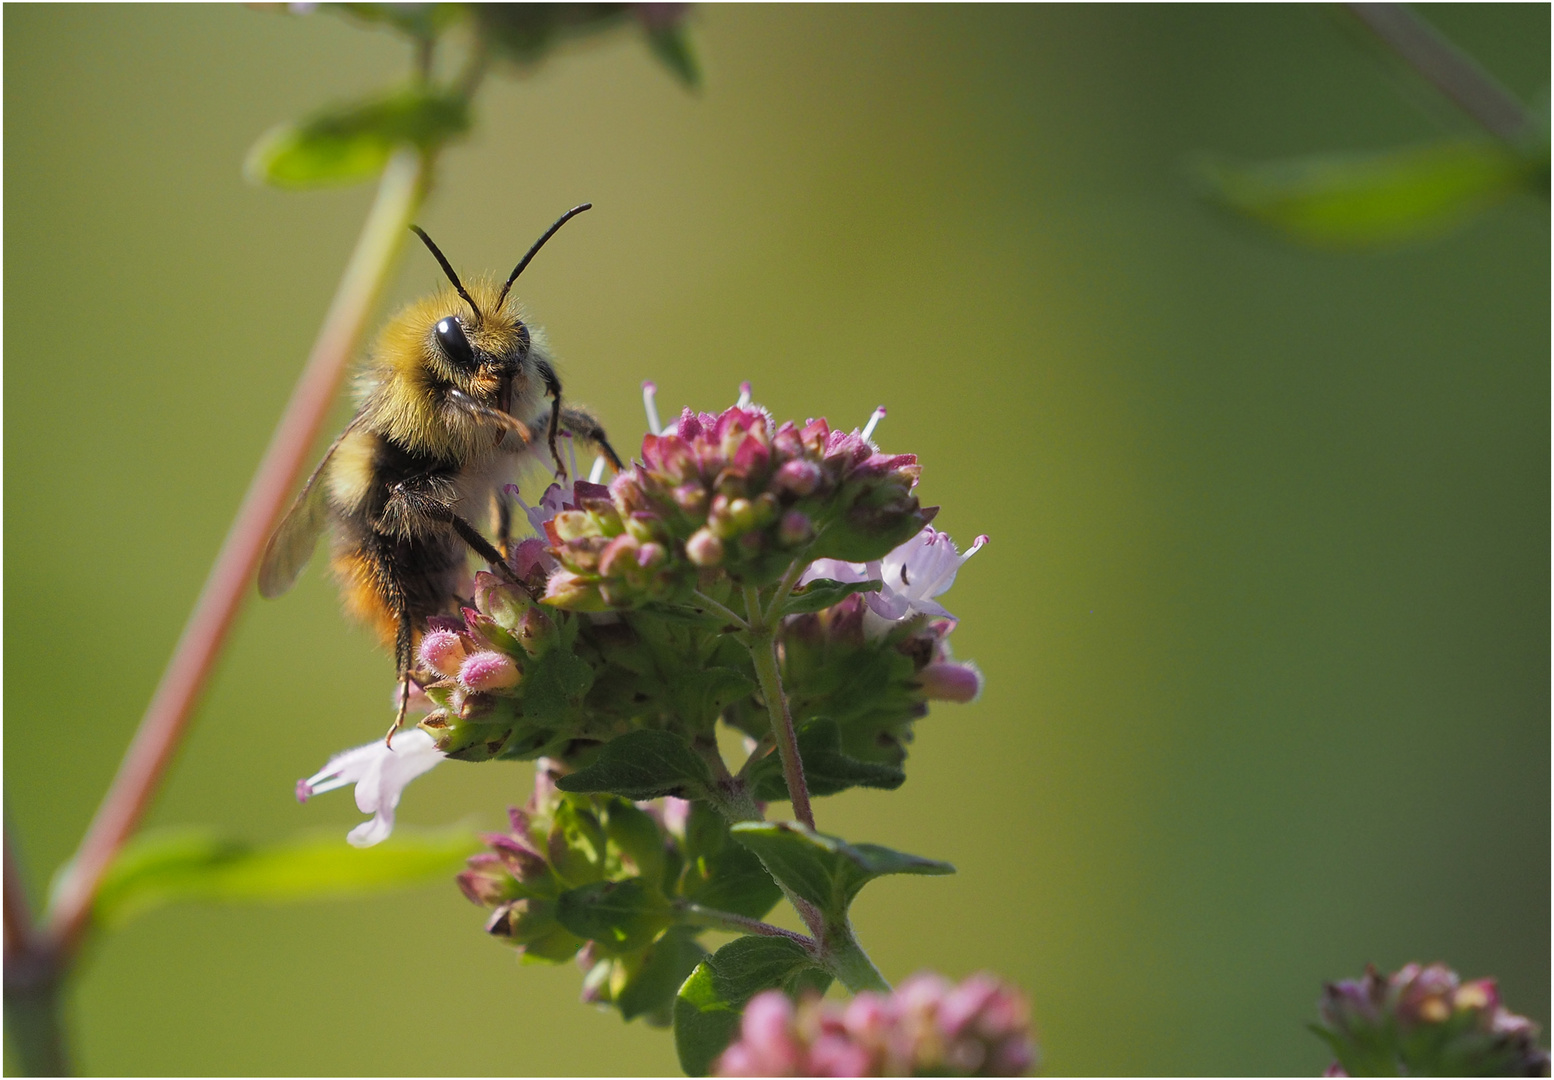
x=167 y=716
x=18 y=913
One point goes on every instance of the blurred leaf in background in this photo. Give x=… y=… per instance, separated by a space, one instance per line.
x=1376 y=199
x=173 y=865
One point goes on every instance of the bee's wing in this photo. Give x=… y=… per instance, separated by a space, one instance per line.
x=292 y=543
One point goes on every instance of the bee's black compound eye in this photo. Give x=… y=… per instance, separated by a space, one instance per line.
x=455 y=346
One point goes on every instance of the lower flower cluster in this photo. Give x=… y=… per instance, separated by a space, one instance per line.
x=1425 y=1021
x=927 y=1027
x=616 y=884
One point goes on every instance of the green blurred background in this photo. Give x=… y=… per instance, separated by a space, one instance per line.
x=1265 y=616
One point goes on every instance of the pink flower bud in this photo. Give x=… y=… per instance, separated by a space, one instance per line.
x=489 y=671
x=443 y=651
x=704 y=548
x=795 y=529
x=535 y=631
x=767 y=1030
x=799 y=477
x=950 y=681
x=574 y=592
x=480 y=888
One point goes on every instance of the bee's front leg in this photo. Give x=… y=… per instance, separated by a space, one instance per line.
x=408 y=505
x=504 y=523
x=503 y=423
x=583 y=425
x=404 y=632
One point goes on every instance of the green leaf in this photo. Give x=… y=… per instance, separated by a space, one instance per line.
x=707 y=1011
x=344 y=144
x=553 y=684
x=822 y=593
x=163 y=867
x=1368 y=200
x=824 y=870
x=827 y=769
x=576 y=845
x=699 y=696
x=672 y=45
x=733 y=879
x=620 y=916
x=636 y=834
x=686 y=615
x=668 y=964
x=644 y=765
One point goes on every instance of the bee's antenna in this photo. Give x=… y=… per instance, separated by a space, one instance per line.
x=447 y=269
x=566 y=217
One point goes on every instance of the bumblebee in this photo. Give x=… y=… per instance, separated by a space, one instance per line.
x=453 y=404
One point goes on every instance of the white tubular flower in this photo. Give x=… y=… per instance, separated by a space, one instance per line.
x=910 y=578
x=919 y=570
x=380 y=774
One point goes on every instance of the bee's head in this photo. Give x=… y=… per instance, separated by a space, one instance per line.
x=475 y=340
x=477 y=353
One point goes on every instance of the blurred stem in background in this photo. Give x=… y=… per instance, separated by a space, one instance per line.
x=1447 y=68
x=37 y=957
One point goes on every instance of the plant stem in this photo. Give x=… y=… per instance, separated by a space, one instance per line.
x=732 y=798
x=18 y=913
x=1446 y=67
x=713 y=919
x=167 y=717
x=702 y=600
x=785 y=586
x=32 y=1015
x=763 y=653
x=846 y=960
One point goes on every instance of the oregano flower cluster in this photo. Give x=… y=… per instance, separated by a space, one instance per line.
x=779 y=578
x=1426 y=1021
x=927 y=1027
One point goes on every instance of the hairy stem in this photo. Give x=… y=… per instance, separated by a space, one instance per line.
x=167 y=717
x=713 y=919
x=732 y=796
x=1446 y=67
x=763 y=653
x=846 y=960
x=785 y=586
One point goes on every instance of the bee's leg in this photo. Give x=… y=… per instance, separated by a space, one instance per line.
x=404 y=638
x=584 y=426
x=496 y=418
x=407 y=503
x=553 y=391
x=504 y=524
